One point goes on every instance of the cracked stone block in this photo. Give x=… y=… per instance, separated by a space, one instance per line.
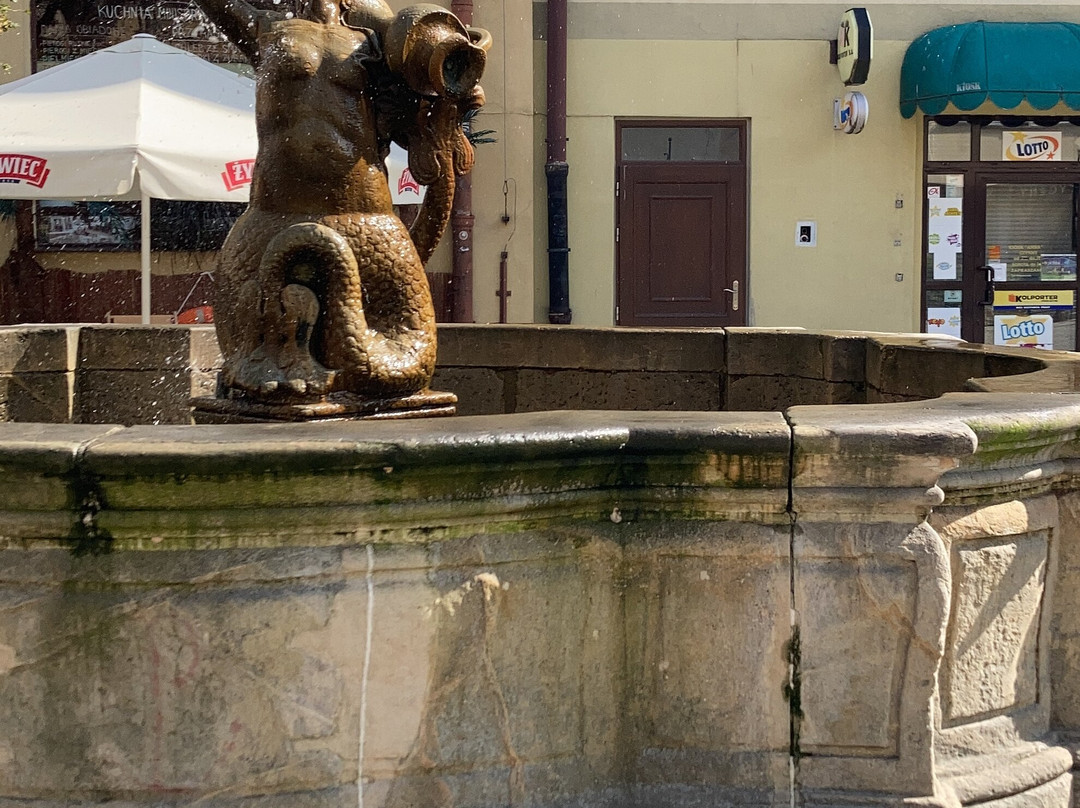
x=776 y=352
x=558 y=347
x=771 y=393
x=37 y=349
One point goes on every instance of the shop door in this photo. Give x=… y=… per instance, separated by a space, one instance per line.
x=1000 y=230
x=1025 y=281
x=681 y=224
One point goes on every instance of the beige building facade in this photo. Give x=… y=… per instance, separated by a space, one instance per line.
x=767 y=65
x=762 y=71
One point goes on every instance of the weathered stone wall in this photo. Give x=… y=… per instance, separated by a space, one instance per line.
x=146 y=375
x=513 y=628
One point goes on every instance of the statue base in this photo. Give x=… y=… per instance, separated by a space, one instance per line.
x=336 y=407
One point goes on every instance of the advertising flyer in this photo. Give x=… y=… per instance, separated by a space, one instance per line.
x=943 y=320
x=945 y=226
x=1024 y=261
x=1058 y=267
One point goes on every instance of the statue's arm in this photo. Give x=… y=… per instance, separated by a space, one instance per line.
x=438 y=153
x=434 y=215
x=240 y=22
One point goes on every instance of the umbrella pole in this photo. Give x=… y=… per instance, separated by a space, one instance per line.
x=145 y=211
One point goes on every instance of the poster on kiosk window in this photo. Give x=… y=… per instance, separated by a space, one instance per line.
x=1024 y=330
x=944 y=226
x=1031 y=147
x=1022 y=319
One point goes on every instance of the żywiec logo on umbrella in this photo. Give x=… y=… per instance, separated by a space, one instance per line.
x=23 y=168
x=237 y=173
x=406 y=183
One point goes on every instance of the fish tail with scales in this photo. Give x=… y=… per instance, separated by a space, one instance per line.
x=352 y=311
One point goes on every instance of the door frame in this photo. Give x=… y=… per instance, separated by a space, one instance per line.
x=977 y=175
x=981 y=179
x=742 y=125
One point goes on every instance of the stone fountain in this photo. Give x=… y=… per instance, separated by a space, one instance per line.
x=671 y=569
x=863 y=593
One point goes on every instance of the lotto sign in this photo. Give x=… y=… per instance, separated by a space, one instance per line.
x=1024 y=330
x=1030 y=147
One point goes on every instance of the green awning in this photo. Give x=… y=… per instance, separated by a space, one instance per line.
x=1005 y=63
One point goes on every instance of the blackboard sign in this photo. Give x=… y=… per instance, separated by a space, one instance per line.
x=116 y=226
x=68 y=29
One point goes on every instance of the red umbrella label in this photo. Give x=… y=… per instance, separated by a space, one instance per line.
x=237 y=173
x=23 y=168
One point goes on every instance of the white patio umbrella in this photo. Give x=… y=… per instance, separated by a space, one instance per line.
x=137 y=120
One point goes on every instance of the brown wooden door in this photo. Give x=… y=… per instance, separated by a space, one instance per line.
x=681 y=243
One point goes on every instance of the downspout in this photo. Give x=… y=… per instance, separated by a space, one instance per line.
x=556 y=167
x=461 y=222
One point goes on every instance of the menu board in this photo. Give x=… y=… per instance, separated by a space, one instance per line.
x=68 y=29
x=116 y=226
x=1021 y=262
x=98 y=226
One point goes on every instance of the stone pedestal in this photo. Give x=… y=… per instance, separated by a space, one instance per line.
x=337 y=407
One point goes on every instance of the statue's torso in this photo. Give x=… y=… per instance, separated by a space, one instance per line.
x=314 y=121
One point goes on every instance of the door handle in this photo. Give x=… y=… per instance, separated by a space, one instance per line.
x=734 y=292
x=988 y=295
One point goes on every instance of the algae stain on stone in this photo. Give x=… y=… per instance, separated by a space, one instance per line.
x=793 y=690
x=87 y=500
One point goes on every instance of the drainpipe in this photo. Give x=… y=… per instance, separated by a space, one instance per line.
x=556 y=167
x=461 y=222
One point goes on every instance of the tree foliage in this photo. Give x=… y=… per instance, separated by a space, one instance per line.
x=5 y=15
x=6 y=23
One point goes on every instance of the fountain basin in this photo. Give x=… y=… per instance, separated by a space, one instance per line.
x=866 y=603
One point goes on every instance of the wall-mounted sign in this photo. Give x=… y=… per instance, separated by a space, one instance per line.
x=1030 y=147
x=850 y=113
x=854 y=46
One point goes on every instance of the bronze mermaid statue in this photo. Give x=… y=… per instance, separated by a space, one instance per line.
x=320 y=287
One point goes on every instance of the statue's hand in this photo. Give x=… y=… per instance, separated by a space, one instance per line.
x=463 y=149
x=435 y=146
